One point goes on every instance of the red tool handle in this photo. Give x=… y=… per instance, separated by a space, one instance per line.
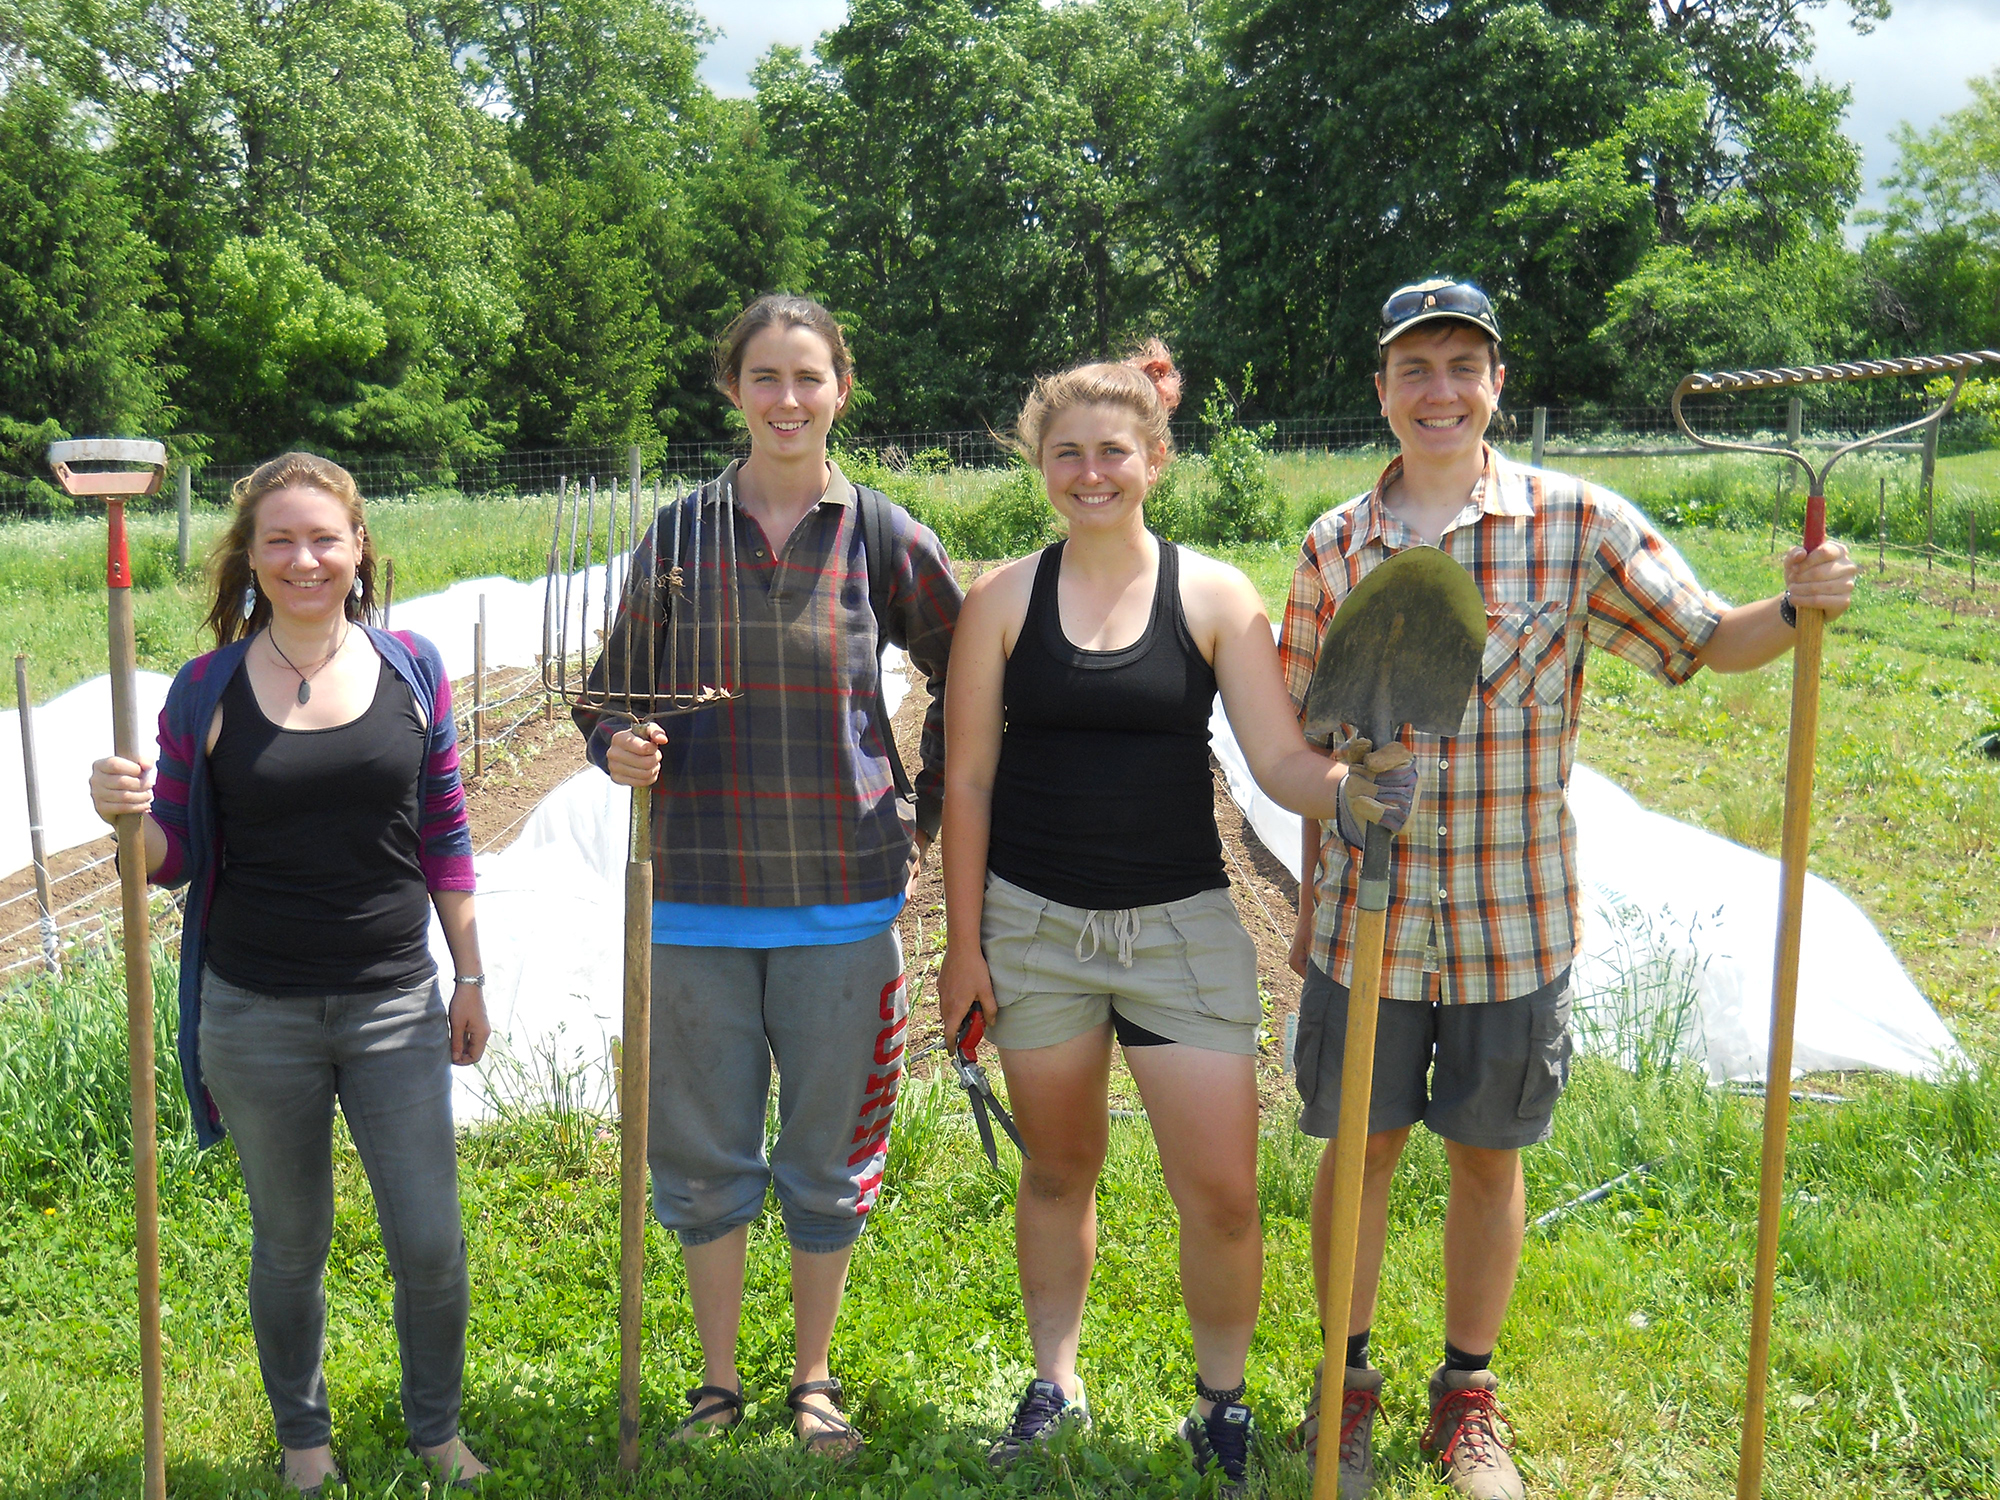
x=969 y=1032
x=1815 y=519
x=117 y=560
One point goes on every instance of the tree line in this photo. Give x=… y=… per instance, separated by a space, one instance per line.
x=461 y=226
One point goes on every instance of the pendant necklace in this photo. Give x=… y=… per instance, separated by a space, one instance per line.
x=305 y=678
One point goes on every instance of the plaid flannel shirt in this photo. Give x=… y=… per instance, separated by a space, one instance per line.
x=1483 y=904
x=784 y=797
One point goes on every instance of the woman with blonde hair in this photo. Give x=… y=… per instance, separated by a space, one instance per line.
x=308 y=797
x=1085 y=886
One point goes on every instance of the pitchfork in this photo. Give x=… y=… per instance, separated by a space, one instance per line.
x=641 y=678
x=1798 y=819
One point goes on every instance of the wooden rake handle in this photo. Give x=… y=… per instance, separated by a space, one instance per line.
x=1793 y=848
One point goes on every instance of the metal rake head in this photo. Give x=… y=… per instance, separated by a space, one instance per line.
x=664 y=623
x=1729 y=382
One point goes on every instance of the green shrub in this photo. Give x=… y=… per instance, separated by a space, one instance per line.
x=1243 y=502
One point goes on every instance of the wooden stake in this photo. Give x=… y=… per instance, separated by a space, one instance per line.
x=44 y=907
x=388 y=588
x=1794 y=845
x=138 y=1007
x=1882 y=525
x=1971 y=548
x=1928 y=479
x=184 y=508
x=634 y=1079
x=1541 y=433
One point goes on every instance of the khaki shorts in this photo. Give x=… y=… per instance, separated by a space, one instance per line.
x=1185 y=970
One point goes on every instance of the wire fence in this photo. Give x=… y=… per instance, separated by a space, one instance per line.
x=1817 y=415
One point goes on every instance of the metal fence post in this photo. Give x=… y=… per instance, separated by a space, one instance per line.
x=632 y=467
x=479 y=689
x=1795 y=422
x=1930 y=494
x=1972 y=547
x=44 y=907
x=1541 y=433
x=388 y=588
x=184 y=502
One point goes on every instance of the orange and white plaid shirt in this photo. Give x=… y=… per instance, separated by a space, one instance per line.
x=1483 y=903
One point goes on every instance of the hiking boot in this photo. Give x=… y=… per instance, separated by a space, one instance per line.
x=1042 y=1411
x=1469 y=1438
x=1222 y=1440
x=1360 y=1401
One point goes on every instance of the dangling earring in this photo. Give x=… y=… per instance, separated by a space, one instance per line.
x=356 y=591
x=249 y=599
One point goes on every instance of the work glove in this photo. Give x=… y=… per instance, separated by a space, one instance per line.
x=1381 y=788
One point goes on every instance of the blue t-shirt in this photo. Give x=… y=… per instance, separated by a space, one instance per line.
x=690 y=925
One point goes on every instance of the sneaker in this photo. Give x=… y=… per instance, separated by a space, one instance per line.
x=1222 y=1440
x=1360 y=1401
x=1469 y=1438
x=1043 y=1409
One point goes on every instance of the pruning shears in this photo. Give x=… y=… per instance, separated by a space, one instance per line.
x=972 y=1077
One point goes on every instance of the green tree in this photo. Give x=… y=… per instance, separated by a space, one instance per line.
x=990 y=184
x=83 y=332
x=341 y=133
x=1934 y=256
x=1552 y=149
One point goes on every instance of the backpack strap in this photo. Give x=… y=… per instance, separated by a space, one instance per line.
x=878 y=542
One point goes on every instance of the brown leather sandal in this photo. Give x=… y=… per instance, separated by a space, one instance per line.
x=718 y=1399
x=837 y=1438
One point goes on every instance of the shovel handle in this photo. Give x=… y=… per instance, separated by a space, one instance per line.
x=1350 y=1160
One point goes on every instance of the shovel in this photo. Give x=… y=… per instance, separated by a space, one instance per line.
x=1404 y=648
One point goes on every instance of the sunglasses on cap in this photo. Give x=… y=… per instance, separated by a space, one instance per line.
x=1429 y=300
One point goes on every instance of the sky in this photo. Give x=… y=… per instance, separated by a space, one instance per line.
x=1913 y=67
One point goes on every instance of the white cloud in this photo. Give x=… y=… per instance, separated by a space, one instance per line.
x=749 y=27
x=1913 y=67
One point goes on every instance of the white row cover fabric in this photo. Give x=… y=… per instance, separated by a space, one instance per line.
x=71 y=730
x=1679 y=942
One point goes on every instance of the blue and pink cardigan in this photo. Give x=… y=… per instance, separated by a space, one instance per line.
x=184 y=807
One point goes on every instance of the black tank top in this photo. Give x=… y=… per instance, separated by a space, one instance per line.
x=321 y=892
x=1103 y=798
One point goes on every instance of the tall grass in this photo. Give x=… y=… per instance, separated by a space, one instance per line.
x=65 y=1086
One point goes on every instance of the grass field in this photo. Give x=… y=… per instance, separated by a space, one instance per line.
x=1623 y=1357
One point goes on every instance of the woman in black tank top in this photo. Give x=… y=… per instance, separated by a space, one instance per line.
x=1085 y=884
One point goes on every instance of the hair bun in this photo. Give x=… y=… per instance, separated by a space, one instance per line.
x=1153 y=361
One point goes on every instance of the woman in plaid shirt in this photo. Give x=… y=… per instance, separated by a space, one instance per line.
x=781 y=861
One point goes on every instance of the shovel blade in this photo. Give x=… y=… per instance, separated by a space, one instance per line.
x=1404 y=648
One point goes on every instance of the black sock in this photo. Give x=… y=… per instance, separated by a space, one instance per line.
x=1357 y=1349
x=1457 y=1360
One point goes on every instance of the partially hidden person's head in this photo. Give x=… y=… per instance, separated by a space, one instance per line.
x=1441 y=372
x=785 y=364
x=297 y=546
x=1100 y=433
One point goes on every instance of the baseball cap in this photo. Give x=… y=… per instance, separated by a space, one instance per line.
x=1429 y=301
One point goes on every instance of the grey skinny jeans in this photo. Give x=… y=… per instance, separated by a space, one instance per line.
x=275 y=1066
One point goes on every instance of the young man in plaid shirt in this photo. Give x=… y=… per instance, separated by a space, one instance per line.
x=1473 y=1038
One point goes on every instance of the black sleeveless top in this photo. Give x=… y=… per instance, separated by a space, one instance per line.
x=1103 y=797
x=320 y=891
